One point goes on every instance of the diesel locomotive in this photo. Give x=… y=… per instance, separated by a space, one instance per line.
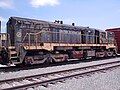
x=30 y=41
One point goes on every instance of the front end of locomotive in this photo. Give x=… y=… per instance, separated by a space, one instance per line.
x=26 y=41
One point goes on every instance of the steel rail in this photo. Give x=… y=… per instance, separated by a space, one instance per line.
x=23 y=87
x=56 y=79
x=44 y=74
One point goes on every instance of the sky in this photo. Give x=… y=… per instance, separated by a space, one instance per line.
x=99 y=14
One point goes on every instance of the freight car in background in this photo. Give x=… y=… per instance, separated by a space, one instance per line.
x=36 y=41
x=116 y=32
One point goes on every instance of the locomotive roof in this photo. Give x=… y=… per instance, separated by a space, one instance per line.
x=52 y=24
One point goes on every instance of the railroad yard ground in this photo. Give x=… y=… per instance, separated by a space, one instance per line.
x=108 y=80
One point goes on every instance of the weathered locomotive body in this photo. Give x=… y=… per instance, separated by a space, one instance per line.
x=36 y=41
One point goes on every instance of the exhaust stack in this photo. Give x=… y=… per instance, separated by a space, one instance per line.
x=73 y=24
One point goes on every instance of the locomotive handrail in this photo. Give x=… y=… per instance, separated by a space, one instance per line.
x=24 y=37
x=35 y=35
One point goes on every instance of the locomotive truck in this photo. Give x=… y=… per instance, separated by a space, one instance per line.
x=30 y=41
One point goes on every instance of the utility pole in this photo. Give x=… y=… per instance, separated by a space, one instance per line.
x=0 y=26
x=0 y=37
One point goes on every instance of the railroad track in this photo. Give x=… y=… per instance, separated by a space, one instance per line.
x=23 y=83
